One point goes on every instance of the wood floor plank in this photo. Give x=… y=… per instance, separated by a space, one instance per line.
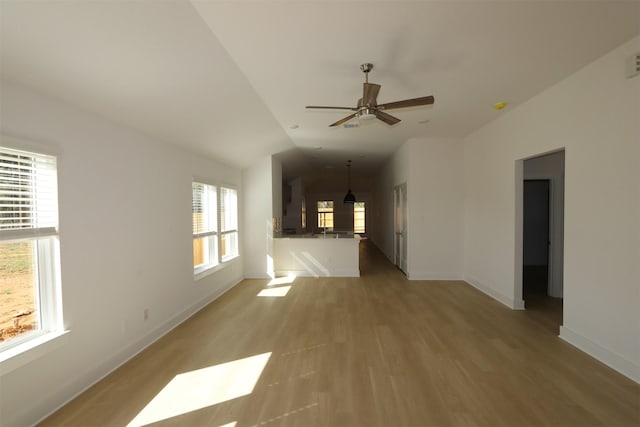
x=377 y=350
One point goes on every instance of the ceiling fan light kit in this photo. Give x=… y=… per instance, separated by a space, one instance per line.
x=366 y=114
x=367 y=107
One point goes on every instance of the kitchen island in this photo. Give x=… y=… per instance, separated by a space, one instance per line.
x=330 y=255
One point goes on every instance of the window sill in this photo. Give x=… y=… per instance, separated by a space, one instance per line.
x=22 y=354
x=204 y=273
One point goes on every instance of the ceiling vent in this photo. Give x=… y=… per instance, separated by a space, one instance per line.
x=351 y=125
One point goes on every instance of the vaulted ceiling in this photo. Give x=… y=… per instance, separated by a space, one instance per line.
x=231 y=79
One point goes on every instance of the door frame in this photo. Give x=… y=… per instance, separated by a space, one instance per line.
x=400 y=225
x=518 y=302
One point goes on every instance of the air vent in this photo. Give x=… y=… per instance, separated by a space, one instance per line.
x=351 y=125
x=633 y=66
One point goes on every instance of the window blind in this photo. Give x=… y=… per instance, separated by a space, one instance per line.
x=28 y=192
x=228 y=209
x=204 y=208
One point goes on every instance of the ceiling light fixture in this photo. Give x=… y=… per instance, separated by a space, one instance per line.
x=349 y=197
x=366 y=114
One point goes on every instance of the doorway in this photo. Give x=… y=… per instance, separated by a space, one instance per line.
x=400 y=226
x=535 y=238
x=543 y=237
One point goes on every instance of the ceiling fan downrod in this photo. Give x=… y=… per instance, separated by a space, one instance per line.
x=365 y=69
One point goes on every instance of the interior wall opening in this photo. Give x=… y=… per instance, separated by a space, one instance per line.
x=543 y=237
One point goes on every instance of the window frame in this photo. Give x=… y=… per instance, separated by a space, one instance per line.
x=230 y=231
x=364 y=218
x=204 y=270
x=210 y=235
x=324 y=214
x=46 y=264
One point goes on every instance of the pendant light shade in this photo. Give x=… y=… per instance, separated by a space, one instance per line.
x=349 y=197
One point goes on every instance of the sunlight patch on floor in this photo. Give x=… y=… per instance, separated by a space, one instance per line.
x=202 y=388
x=274 y=292
x=282 y=280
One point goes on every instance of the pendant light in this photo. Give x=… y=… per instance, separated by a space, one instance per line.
x=349 y=197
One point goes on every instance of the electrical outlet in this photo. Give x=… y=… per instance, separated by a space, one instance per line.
x=146 y=314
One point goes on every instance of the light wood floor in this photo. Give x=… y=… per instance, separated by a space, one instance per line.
x=372 y=351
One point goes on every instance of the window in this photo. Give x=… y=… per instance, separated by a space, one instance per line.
x=205 y=226
x=213 y=210
x=29 y=261
x=325 y=213
x=358 y=217
x=228 y=223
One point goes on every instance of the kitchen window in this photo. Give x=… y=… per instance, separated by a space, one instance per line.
x=325 y=214
x=358 y=218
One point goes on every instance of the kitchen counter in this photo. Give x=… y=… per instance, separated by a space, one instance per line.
x=330 y=255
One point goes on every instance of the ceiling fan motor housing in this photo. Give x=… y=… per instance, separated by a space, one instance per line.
x=366 y=67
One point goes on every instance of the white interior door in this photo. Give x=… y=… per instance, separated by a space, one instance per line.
x=400 y=226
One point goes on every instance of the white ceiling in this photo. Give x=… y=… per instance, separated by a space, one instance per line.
x=229 y=78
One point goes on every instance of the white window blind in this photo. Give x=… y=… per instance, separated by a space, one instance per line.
x=28 y=193
x=204 y=212
x=228 y=223
x=228 y=209
x=204 y=209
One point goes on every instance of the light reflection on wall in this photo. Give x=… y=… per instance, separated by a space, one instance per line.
x=282 y=280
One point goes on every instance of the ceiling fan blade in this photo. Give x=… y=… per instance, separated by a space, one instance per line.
x=341 y=121
x=425 y=100
x=331 y=108
x=370 y=94
x=387 y=118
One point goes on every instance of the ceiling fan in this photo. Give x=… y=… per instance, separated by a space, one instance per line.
x=368 y=107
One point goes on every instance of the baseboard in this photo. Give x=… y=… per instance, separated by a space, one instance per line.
x=433 y=276
x=509 y=302
x=256 y=275
x=613 y=360
x=114 y=362
x=306 y=273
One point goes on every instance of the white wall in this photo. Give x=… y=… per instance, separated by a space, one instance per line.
x=594 y=115
x=276 y=188
x=126 y=245
x=294 y=203
x=395 y=171
x=431 y=169
x=435 y=210
x=257 y=218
